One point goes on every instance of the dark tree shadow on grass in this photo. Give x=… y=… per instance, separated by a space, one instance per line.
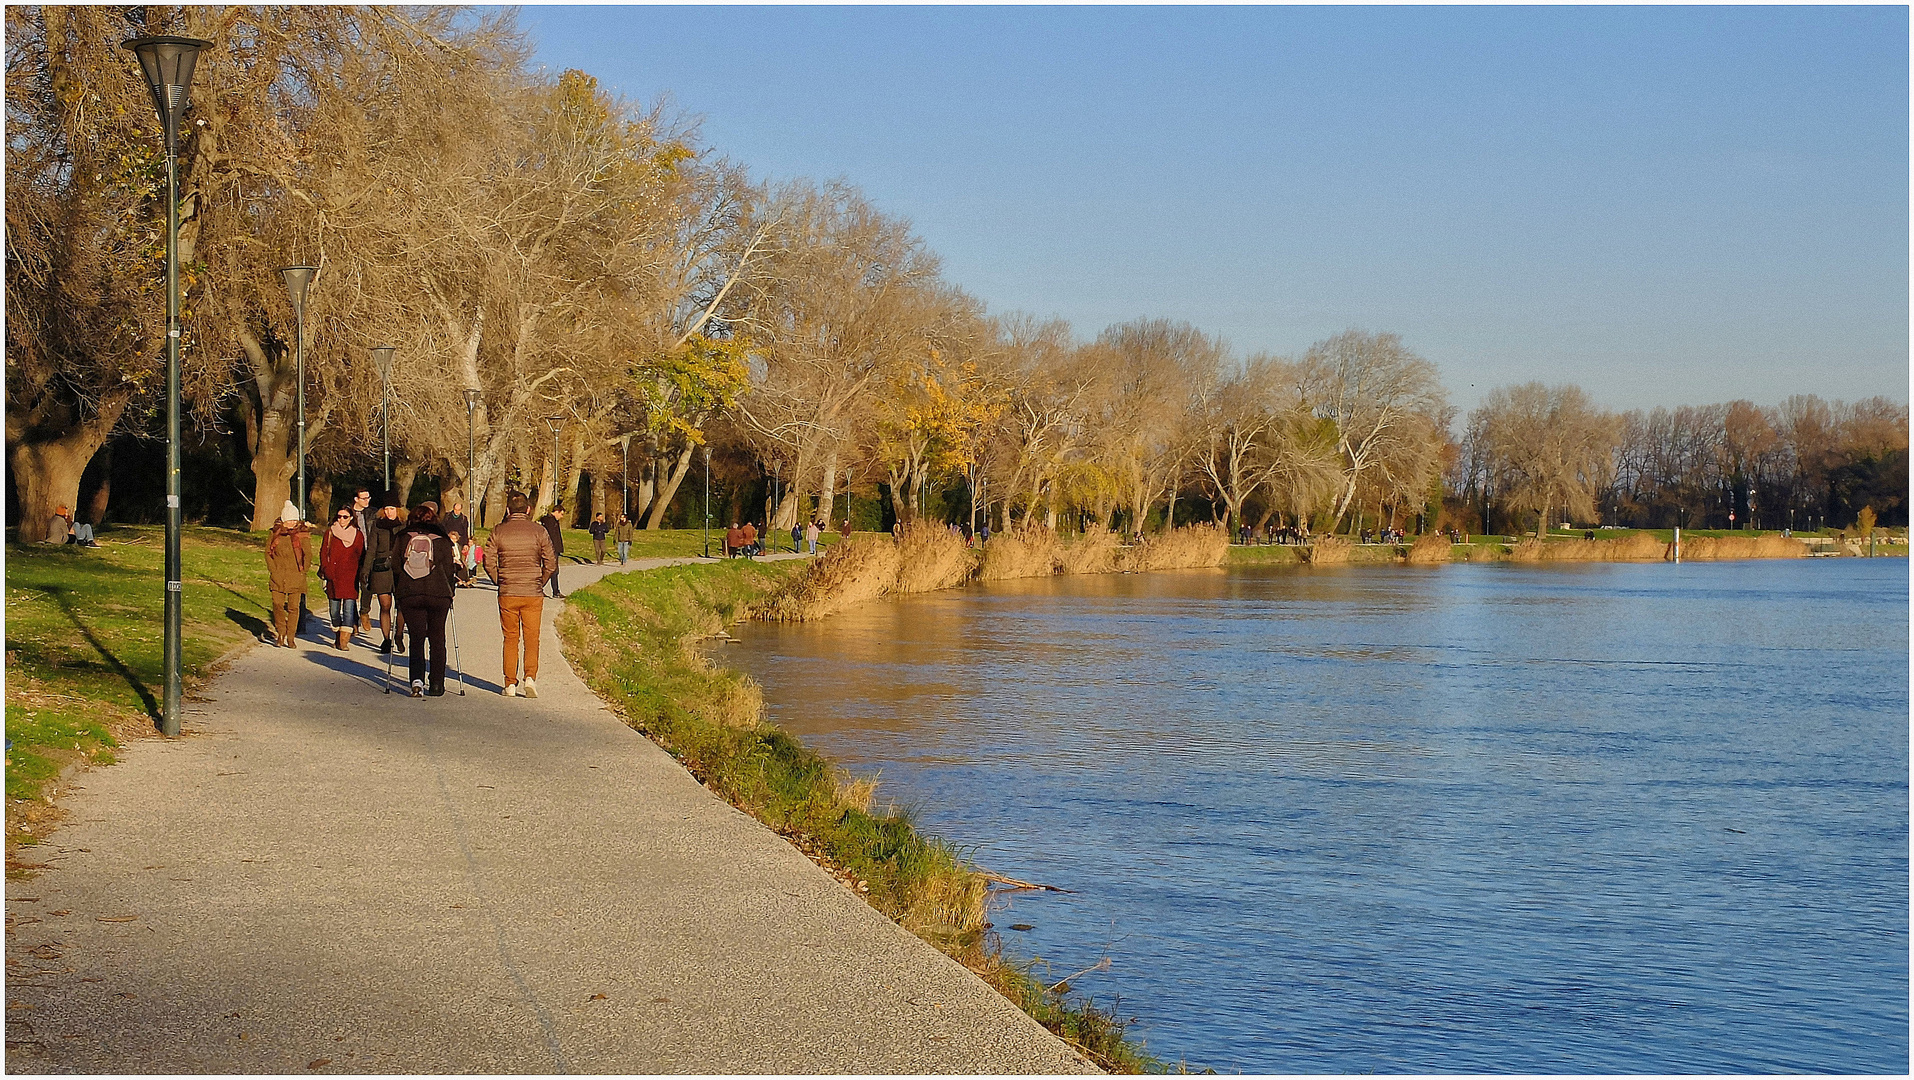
x=59 y=596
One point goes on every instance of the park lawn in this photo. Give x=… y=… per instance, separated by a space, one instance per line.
x=84 y=640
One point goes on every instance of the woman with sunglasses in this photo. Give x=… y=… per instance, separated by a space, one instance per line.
x=339 y=555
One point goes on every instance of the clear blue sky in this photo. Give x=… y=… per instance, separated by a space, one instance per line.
x=1665 y=205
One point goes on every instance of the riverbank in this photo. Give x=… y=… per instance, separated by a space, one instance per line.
x=634 y=639
x=320 y=877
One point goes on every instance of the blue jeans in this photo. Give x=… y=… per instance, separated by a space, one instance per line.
x=345 y=613
x=624 y=549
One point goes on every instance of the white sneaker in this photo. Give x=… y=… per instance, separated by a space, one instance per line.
x=511 y=690
x=530 y=689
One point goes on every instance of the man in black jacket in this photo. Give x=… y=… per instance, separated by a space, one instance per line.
x=423 y=569
x=554 y=530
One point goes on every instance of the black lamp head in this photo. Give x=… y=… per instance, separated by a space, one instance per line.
x=167 y=63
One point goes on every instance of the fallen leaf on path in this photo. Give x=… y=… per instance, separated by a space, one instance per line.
x=318 y=1062
x=598 y=997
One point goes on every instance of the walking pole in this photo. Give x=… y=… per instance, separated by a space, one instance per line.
x=455 y=649
x=388 y=673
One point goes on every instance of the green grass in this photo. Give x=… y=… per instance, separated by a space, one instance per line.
x=84 y=643
x=633 y=638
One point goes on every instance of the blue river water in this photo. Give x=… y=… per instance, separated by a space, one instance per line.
x=1471 y=818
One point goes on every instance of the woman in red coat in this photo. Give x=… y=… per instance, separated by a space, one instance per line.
x=339 y=556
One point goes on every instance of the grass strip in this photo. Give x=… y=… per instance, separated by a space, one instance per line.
x=633 y=637
x=84 y=647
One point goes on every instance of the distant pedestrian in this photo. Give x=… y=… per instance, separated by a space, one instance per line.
x=599 y=530
x=733 y=540
x=554 y=529
x=749 y=536
x=362 y=512
x=287 y=565
x=340 y=553
x=456 y=523
x=622 y=537
x=424 y=582
x=797 y=536
x=519 y=557
x=811 y=532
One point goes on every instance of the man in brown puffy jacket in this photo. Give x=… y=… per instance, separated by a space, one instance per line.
x=519 y=558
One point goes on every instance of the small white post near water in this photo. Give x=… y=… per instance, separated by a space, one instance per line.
x=1677 y=544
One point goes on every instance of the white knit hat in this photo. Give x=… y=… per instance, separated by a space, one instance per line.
x=289 y=512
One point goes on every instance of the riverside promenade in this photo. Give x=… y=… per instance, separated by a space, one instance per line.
x=319 y=877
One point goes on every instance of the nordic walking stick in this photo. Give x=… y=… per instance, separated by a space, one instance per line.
x=388 y=673
x=456 y=662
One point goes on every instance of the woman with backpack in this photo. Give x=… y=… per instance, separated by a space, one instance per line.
x=424 y=578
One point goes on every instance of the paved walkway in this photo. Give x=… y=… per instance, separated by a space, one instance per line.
x=320 y=877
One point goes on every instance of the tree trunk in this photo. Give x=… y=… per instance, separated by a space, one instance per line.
x=403 y=474
x=319 y=499
x=547 y=485
x=827 y=490
x=273 y=467
x=575 y=476
x=96 y=506
x=50 y=453
x=494 y=501
x=668 y=488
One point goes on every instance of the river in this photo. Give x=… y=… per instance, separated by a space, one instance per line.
x=1471 y=818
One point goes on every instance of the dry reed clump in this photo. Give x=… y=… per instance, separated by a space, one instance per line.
x=859 y=569
x=1430 y=550
x=931 y=557
x=1483 y=552
x=1635 y=547
x=1527 y=549
x=1327 y=550
x=1094 y=552
x=1021 y=552
x=1742 y=547
x=855 y=792
x=1179 y=549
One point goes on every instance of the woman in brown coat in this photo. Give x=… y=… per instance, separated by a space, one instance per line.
x=287 y=564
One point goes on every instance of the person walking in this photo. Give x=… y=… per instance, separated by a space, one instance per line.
x=797 y=536
x=733 y=539
x=423 y=579
x=622 y=537
x=361 y=508
x=518 y=558
x=748 y=536
x=456 y=523
x=599 y=529
x=340 y=553
x=287 y=563
x=380 y=557
x=554 y=531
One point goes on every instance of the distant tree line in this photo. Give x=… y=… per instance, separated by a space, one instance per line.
x=629 y=304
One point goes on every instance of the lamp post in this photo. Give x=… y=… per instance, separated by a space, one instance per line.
x=707 y=501
x=471 y=454
x=298 y=280
x=167 y=63
x=556 y=423
x=382 y=355
x=624 y=476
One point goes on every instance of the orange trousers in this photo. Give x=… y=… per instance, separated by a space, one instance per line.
x=518 y=616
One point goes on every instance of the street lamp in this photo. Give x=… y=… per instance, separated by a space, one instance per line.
x=298 y=280
x=555 y=423
x=471 y=455
x=167 y=62
x=624 y=476
x=382 y=355
x=707 y=501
